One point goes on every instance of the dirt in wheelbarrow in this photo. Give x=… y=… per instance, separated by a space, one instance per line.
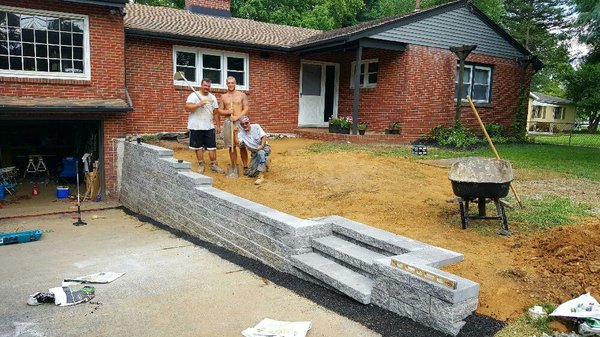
x=408 y=198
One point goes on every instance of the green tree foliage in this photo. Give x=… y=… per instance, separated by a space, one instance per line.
x=316 y=14
x=540 y=26
x=588 y=25
x=583 y=87
x=163 y=3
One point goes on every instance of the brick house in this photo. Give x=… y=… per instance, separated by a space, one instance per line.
x=114 y=76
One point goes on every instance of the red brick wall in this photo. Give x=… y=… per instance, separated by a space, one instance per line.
x=107 y=54
x=159 y=105
x=107 y=71
x=416 y=87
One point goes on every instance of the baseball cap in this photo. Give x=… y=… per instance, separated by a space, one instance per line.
x=244 y=119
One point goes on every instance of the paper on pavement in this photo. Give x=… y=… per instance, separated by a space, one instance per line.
x=272 y=328
x=103 y=277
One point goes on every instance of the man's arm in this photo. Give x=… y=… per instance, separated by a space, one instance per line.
x=263 y=141
x=189 y=107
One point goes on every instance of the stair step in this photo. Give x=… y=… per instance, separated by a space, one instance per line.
x=347 y=252
x=339 y=277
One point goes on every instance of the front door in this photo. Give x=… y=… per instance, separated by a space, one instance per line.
x=318 y=93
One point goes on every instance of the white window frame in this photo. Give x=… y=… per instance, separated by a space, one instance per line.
x=469 y=86
x=365 y=83
x=86 y=75
x=199 y=66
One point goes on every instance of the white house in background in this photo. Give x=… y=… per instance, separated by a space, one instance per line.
x=550 y=114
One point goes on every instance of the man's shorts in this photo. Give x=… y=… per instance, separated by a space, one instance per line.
x=203 y=140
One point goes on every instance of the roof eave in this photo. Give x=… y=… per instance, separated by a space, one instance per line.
x=65 y=109
x=120 y=4
x=194 y=39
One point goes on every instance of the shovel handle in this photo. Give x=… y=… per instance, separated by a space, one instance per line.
x=487 y=136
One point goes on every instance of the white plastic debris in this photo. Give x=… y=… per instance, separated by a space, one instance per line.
x=103 y=277
x=584 y=306
x=272 y=328
x=537 y=312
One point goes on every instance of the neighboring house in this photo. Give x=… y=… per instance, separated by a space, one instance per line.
x=550 y=114
x=110 y=75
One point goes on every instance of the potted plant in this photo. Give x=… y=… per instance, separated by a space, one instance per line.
x=394 y=128
x=335 y=125
x=362 y=127
x=346 y=124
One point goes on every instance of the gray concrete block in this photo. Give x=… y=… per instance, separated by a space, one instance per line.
x=448 y=312
x=427 y=319
x=347 y=252
x=401 y=308
x=341 y=278
x=409 y=295
x=465 y=288
x=433 y=256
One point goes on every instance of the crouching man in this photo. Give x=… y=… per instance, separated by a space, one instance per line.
x=254 y=139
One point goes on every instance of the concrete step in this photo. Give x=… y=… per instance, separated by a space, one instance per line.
x=347 y=252
x=337 y=276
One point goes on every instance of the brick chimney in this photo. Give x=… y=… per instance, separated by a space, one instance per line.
x=209 y=7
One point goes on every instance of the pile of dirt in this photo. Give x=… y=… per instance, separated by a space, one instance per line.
x=405 y=197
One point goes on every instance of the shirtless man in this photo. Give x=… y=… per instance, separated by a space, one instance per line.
x=233 y=105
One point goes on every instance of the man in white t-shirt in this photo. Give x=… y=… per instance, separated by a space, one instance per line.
x=253 y=138
x=201 y=107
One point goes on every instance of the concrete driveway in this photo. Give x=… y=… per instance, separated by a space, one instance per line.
x=172 y=287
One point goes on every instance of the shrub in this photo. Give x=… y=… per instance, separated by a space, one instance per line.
x=455 y=136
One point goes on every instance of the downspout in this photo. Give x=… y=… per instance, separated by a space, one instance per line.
x=356 y=89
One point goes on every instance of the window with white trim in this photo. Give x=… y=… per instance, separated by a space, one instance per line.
x=476 y=83
x=215 y=65
x=536 y=111
x=36 y=43
x=368 y=79
x=559 y=112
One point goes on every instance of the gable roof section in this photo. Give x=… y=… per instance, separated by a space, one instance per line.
x=181 y=25
x=543 y=98
x=434 y=27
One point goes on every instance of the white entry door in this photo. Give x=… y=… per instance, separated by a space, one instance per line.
x=318 y=93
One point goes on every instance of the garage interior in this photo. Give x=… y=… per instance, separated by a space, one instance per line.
x=39 y=159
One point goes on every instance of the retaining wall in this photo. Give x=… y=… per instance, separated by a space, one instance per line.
x=153 y=183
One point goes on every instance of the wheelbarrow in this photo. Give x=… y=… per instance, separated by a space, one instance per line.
x=481 y=180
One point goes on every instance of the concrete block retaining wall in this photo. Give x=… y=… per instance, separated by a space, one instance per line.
x=156 y=185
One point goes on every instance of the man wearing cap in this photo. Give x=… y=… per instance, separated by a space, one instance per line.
x=201 y=107
x=253 y=138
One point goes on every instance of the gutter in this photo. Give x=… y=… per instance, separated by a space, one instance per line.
x=66 y=109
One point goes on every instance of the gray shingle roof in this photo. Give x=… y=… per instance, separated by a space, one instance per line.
x=543 y=98
x=178 y=22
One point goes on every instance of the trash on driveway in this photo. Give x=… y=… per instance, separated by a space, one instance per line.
x=64 y=296
x=102 y=277
x=272 y=328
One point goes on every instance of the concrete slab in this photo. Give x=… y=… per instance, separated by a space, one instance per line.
x=172 y=287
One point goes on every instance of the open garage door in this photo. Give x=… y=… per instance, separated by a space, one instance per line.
x=46 y=153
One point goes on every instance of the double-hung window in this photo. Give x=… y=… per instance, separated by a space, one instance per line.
x=214 y=65
x=476 y=83
x=36 y=44
x=368 y=73
x=559 y=112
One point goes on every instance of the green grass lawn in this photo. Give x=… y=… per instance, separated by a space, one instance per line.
x=577 y=139
x=580 y=162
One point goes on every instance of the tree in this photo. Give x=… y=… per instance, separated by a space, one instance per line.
x=315 y=14
x=588 y=25
x=163 y=3
x=583 y=87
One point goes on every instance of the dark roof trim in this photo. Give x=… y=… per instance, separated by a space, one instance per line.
x=66 y=109
x=209 y=11
x=381 y=44
x=109 y=3
x=193 y=39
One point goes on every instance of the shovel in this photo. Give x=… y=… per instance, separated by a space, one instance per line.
x=232 y=170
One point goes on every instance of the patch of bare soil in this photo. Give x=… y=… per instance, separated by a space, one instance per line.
x=409 y=198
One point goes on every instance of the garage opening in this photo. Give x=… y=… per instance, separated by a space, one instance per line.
x=39 y=160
